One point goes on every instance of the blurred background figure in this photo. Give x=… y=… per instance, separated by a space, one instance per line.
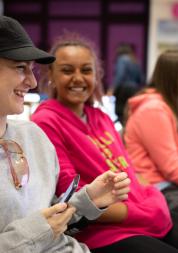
x=151 y=134
x=127 y=70
x=122 y=94
x=128 y=79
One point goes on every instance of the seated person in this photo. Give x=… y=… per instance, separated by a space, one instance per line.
x=88 y=144
x=29 y=166
x=151 y=134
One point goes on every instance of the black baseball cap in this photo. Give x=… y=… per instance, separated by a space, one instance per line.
x=15 y=43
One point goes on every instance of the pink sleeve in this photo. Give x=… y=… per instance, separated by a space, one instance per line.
x=158 y=136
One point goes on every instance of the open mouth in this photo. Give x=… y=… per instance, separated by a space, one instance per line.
x=20 y=93
x=77 y=89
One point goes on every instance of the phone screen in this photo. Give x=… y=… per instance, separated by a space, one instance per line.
x=70 y=190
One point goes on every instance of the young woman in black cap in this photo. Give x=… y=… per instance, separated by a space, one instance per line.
x=28 y=164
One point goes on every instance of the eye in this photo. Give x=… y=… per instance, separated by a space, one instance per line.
x=87 y=70
x=21 y=67
x=67 y=71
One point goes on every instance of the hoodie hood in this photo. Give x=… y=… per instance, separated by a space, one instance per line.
x=57 y=112
x=135 y=102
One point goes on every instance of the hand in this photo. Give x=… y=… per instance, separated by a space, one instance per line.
x=108 y=188
x=58 y=217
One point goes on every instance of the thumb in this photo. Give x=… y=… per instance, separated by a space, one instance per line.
x=48 y=212
x=108 y=175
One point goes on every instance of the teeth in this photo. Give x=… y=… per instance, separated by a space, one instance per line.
x=77 y=88
x=20 y=93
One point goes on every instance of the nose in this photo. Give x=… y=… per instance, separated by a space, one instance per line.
x=30 y=80
x=78 y=77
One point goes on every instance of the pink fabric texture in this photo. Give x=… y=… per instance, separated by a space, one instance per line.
x=151 y=138
x=90 y=149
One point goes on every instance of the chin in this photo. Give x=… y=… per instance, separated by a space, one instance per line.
x=17 y=111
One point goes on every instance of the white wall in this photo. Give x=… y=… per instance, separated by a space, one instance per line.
x=161 y=10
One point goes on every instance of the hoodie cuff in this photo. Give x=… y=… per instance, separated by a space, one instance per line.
x=85 y=206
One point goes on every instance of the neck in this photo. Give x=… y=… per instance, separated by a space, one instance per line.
x=3 y=122
x=78 y=109
x=79 y=112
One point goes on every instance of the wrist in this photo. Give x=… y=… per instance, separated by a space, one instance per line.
x=95 y=201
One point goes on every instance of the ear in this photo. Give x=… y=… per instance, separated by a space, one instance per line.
x=50 y=78
x=49 y=74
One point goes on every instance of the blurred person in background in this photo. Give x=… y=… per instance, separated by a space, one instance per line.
x=128 y=79
x=151 y=132
x=122 y=94
x=127 y=71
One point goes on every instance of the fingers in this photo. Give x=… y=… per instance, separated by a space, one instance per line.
x=122 y=191
x=122 y=184
x=120 y=179
x=48 y=212
x=117 y=177
x=123 y=197
x=65 y=216
x=58 y=217
x=120 y=176
x=108 y=175
x=109 y=188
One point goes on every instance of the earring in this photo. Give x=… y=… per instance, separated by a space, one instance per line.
x=51 y=84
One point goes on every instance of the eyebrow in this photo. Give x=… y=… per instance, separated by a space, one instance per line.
x=68 y=64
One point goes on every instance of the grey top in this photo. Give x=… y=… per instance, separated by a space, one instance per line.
x=22 y=227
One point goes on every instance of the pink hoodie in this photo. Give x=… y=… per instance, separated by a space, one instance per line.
x=90 y=149
x=151 y=138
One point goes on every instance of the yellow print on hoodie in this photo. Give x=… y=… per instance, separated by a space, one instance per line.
x=103 y=142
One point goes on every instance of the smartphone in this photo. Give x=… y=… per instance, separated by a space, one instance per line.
x=70 y=190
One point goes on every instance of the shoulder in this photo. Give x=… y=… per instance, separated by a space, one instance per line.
x=27 y=132
x=97 y=111
x=154 y=104
x=46 y=110
x=151 y=111
x=21 y=125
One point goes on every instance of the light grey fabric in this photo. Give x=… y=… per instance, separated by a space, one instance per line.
x=22 y=227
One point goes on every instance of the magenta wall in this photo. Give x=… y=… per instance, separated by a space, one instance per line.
x=67 y=14
x=124 y=33
x=89 y=29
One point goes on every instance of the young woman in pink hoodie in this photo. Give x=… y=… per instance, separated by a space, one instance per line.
x=151 y=131
x=88 y=144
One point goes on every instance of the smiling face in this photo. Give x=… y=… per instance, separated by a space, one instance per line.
x=73 y=75
x=16 y=79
